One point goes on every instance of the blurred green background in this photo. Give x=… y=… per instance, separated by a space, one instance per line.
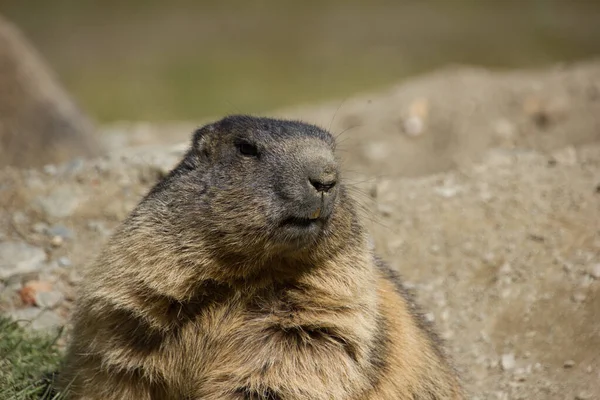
x=183 y=60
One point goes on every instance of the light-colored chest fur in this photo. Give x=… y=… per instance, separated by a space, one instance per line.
x=281 y=343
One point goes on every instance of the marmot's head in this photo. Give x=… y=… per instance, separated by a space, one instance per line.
x=257 y=188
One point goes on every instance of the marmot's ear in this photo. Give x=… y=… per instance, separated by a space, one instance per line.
x=201 y=138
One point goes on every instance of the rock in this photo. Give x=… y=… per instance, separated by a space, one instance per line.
x=569 y=364
x=61 y=203
x=37 y=319
x=64 y=262
x=595 y=271
x=62 y=231
x=414 y=123
x=413 y=126
x=49 y=299
x=507 y=361
x=31 y=289
x=57 y=241
x=17 y=258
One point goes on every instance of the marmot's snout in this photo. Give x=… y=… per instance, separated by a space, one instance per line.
x=322 y=178
x=311 y=198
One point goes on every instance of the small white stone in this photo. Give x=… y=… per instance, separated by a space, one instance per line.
x=57 y=241
x=595 y=271
x=507 y=361
x=447 y=191
x=64 y=262
x=413 y=126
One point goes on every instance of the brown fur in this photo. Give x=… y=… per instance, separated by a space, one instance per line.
x=200 y=295
x=39 y=123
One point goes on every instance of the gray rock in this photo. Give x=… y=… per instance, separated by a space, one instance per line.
x=18 y=258
x=37 y=319
x=74 y=166
x=61 y=203
x=62 y=231
x=49 y=299
x=64 y=262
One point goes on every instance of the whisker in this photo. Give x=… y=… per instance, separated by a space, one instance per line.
x=335 y=113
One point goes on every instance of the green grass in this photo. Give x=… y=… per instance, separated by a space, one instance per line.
x=25 y=358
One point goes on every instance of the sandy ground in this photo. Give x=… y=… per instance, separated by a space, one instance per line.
x=482 y=189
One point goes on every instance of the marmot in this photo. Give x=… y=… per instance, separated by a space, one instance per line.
x=246 y=274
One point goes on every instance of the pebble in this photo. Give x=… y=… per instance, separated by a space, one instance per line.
x=74 y=166
x=64 y=262
x=569 y=364
x=447 y=191
x=595 y=271
x=49 y=299
x=18 y=258
x=507 y=361
x=61 y=203
x=60 y=230
x=29 y=292
x=415 y=121
x=37 y=319
x=57 y=241
x=413 y=125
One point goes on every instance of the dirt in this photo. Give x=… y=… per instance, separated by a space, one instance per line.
x=489 y=208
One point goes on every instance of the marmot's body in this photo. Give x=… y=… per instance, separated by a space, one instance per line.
x=39 y=122
x=245 y=274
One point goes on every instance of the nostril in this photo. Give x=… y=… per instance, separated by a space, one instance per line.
x=322 y=186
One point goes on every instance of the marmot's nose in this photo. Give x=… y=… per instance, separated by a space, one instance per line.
x=324 y=182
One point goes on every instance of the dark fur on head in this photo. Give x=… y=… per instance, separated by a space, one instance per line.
x=246 y=210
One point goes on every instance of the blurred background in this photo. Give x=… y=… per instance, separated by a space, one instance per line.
x=504 y=255
x=185 y=60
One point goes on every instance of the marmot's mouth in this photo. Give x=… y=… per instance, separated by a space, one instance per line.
x=300 y=222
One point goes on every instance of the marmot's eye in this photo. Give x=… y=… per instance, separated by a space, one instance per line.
x=247 y=149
